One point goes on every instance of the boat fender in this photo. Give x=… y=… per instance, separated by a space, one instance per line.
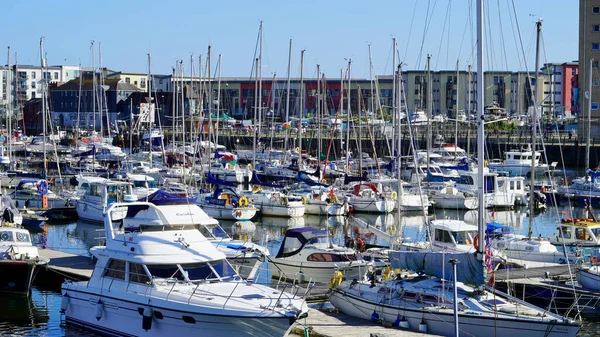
x=476 y=241
x=250 y=167
x=147 y=318
x=64 y=303
x=375 y=316
x=403 y=323
x=303 y=200
x=423 y=326
x=387 y=272
x=99 y=309
x=336 y=279
x=243 y=202
x=393 y=195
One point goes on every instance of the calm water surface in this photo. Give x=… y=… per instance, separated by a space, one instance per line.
x=40 y=315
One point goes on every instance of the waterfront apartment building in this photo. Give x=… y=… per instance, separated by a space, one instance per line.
x=589 y=58
x=136 y=79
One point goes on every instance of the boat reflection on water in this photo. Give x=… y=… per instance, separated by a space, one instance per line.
x=19 y=315
x=91 y=234
x=515 y=218
x=273 y=221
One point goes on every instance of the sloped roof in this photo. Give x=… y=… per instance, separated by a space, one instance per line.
x=87 y=85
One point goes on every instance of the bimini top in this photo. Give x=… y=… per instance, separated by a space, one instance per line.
x=296 y=238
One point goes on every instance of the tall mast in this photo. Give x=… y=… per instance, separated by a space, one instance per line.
x=78 y=124
x=174 y=107
x=394 y=98
x=102 y=89
x=359 y=108
x=210 y=99
x=456 y=107
x=150 y=112
x=480 y=128
x=535 y=123
x=429 y=108
x=301 y=108
x=589 y=119
x=348 y=122
x=218 y=102
x=9 y=109
x=93 y=88
x=341 y=106
x=44 y=86
x=468 y=113
x=318 y=101
x=254 y=127
x=287 y=100
x=260 y=112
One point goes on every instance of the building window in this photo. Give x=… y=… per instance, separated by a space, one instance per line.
x=56 y=76
x=33 y=84
x=595 y=28
x=33 y=75
x=142 y=83
x=596 y=10
x=594 y=105
x=127 y=80
x=595 y=64
x=595 y=46
x=595 y=82
x=33 y=94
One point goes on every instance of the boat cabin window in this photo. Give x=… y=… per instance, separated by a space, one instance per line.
x=137 y=274
x=581 y=234
x=466 y=180
x=462 y=238
x=566 y=232
x=6 y=236
x=23 y=237
x=213 y=232
x=115 y=269
x=95 y=190
x=326 y=257
x=443 y=236
x=596 y=232
x=144 y=183
x=170 y=271
x=204 y=271
x=114 y=193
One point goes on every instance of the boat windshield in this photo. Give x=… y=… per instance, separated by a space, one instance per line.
x=144 y=184
x=213 y=232
x=214 y=271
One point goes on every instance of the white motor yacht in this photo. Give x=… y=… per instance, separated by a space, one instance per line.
x=97 y=194
x=19 y=259
x=158 y=275
x=307 y=254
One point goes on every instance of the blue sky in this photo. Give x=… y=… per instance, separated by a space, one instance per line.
x=330 y=31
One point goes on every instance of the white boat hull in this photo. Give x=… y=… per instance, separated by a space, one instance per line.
x=290 y=211
x=326 y=209
x=441 y=322
x=454 y=202
x=589 y=279
x=375 y=206
x=123 y=318
x=315 y=271
x=229 y=213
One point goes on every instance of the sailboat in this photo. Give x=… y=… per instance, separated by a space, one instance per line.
x=425 y=303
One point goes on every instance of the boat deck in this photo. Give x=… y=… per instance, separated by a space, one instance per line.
x=333 y=324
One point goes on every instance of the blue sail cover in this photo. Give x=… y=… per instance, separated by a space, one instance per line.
x=212 y=180
x=303 y=177
x=256 y=181
x=469 y=270
x=161 y=197
x=593 y=175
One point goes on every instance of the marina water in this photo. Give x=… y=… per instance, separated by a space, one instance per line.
x=40 y=315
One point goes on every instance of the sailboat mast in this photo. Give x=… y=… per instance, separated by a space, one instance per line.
x=535 y=124
x=394 y=99
x=254 y=128
x=44 y=87
x=218 y=102
x=102 y=90
x=260 y=112
x=589 y=117
x=359 y=108
x=301 y=108
x=210 y=100
x=429 y=109
x=480 y=129
x=341 y=107
x=9 y=109
x=149 y=102
x=93 y=88
x=456 y=108
x=318 y=115
x=348 y=122
x=287 y=101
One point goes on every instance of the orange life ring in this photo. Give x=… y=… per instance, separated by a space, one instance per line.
x=360 y=244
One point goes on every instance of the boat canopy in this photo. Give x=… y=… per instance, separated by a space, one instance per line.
x=296 y=238
x=161 y=197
